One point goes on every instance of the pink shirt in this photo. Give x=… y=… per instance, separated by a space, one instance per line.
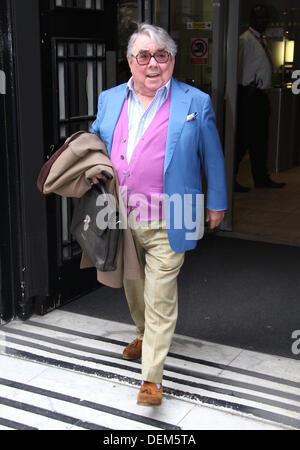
x=142 y=180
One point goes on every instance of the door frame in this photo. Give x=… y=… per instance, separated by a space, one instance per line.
x=232 y=58
x=23 y=148
x=70 y=26
x=218 y=63
x=10 y=249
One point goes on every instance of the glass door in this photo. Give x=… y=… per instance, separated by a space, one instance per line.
x=200 y=31
x=191 y=26
x=269 y=214
x=79 y=53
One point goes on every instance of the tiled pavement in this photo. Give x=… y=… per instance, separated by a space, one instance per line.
x=269 y=214
x=64 y=371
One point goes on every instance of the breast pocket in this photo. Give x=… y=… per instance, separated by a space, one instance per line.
x=191 y=126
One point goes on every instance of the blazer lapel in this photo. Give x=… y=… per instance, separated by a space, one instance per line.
x=179 y=108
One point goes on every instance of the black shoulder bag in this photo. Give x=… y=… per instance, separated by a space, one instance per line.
x=96 y=226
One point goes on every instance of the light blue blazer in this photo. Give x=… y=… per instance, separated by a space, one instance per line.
x=191 y=144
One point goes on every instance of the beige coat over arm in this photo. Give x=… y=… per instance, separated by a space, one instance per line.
x=70 y=175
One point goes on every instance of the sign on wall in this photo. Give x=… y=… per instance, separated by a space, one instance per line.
x=199 y=25
x=199 y=51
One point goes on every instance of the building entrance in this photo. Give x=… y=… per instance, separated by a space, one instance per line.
x=58 y=55
x=78 y=40
x=208 y=57
x=273 y=214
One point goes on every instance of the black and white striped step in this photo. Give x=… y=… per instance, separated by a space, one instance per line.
x=67 y=343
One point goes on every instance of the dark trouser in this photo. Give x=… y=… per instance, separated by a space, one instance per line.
x=253 y=129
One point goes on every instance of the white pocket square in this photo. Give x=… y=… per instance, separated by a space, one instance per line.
x=191 y=116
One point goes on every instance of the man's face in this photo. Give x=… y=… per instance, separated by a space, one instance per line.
x=147 y=79
x=262 y=20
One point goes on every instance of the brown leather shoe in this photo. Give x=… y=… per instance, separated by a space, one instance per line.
x=149 y=394
x=133 y=350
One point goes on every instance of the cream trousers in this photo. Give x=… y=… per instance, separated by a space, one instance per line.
x=153 y=300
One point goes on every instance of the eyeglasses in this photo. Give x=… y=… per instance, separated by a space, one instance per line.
x=144 y=58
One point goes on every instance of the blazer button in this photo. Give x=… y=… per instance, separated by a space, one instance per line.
x=122 y=156
x=124 y=140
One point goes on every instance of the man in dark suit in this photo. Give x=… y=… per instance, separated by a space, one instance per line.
x=255 y=78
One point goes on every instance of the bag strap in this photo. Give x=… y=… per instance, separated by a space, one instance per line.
x=101 y=186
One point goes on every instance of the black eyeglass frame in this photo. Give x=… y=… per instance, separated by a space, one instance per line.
x=152 y=55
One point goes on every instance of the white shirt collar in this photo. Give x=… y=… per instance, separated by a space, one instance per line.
x=258 y=34
x=129 y=86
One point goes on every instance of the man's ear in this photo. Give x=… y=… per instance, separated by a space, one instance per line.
x=129 y=60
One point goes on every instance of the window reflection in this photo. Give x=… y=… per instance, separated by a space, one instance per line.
x=191 y=27
x=127 y=19
x=82 y=4
x=80 y=66
x=272 y=214
x=80 y=79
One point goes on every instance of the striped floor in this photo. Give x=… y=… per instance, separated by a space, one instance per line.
x=65 y=371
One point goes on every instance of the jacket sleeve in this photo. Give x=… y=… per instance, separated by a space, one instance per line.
x=95 y=128
x=212 y=159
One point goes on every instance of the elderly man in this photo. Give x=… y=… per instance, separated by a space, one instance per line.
x=159 y=132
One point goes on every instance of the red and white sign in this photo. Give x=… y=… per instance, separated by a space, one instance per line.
x=199 y=51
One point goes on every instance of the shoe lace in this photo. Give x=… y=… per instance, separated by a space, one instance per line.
x=146 y=390
x=135 y=342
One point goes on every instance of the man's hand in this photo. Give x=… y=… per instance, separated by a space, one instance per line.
x=214 y=218
x=96 y=178
x=103 y=175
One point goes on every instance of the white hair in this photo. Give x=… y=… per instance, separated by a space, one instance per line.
x=157 y=34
